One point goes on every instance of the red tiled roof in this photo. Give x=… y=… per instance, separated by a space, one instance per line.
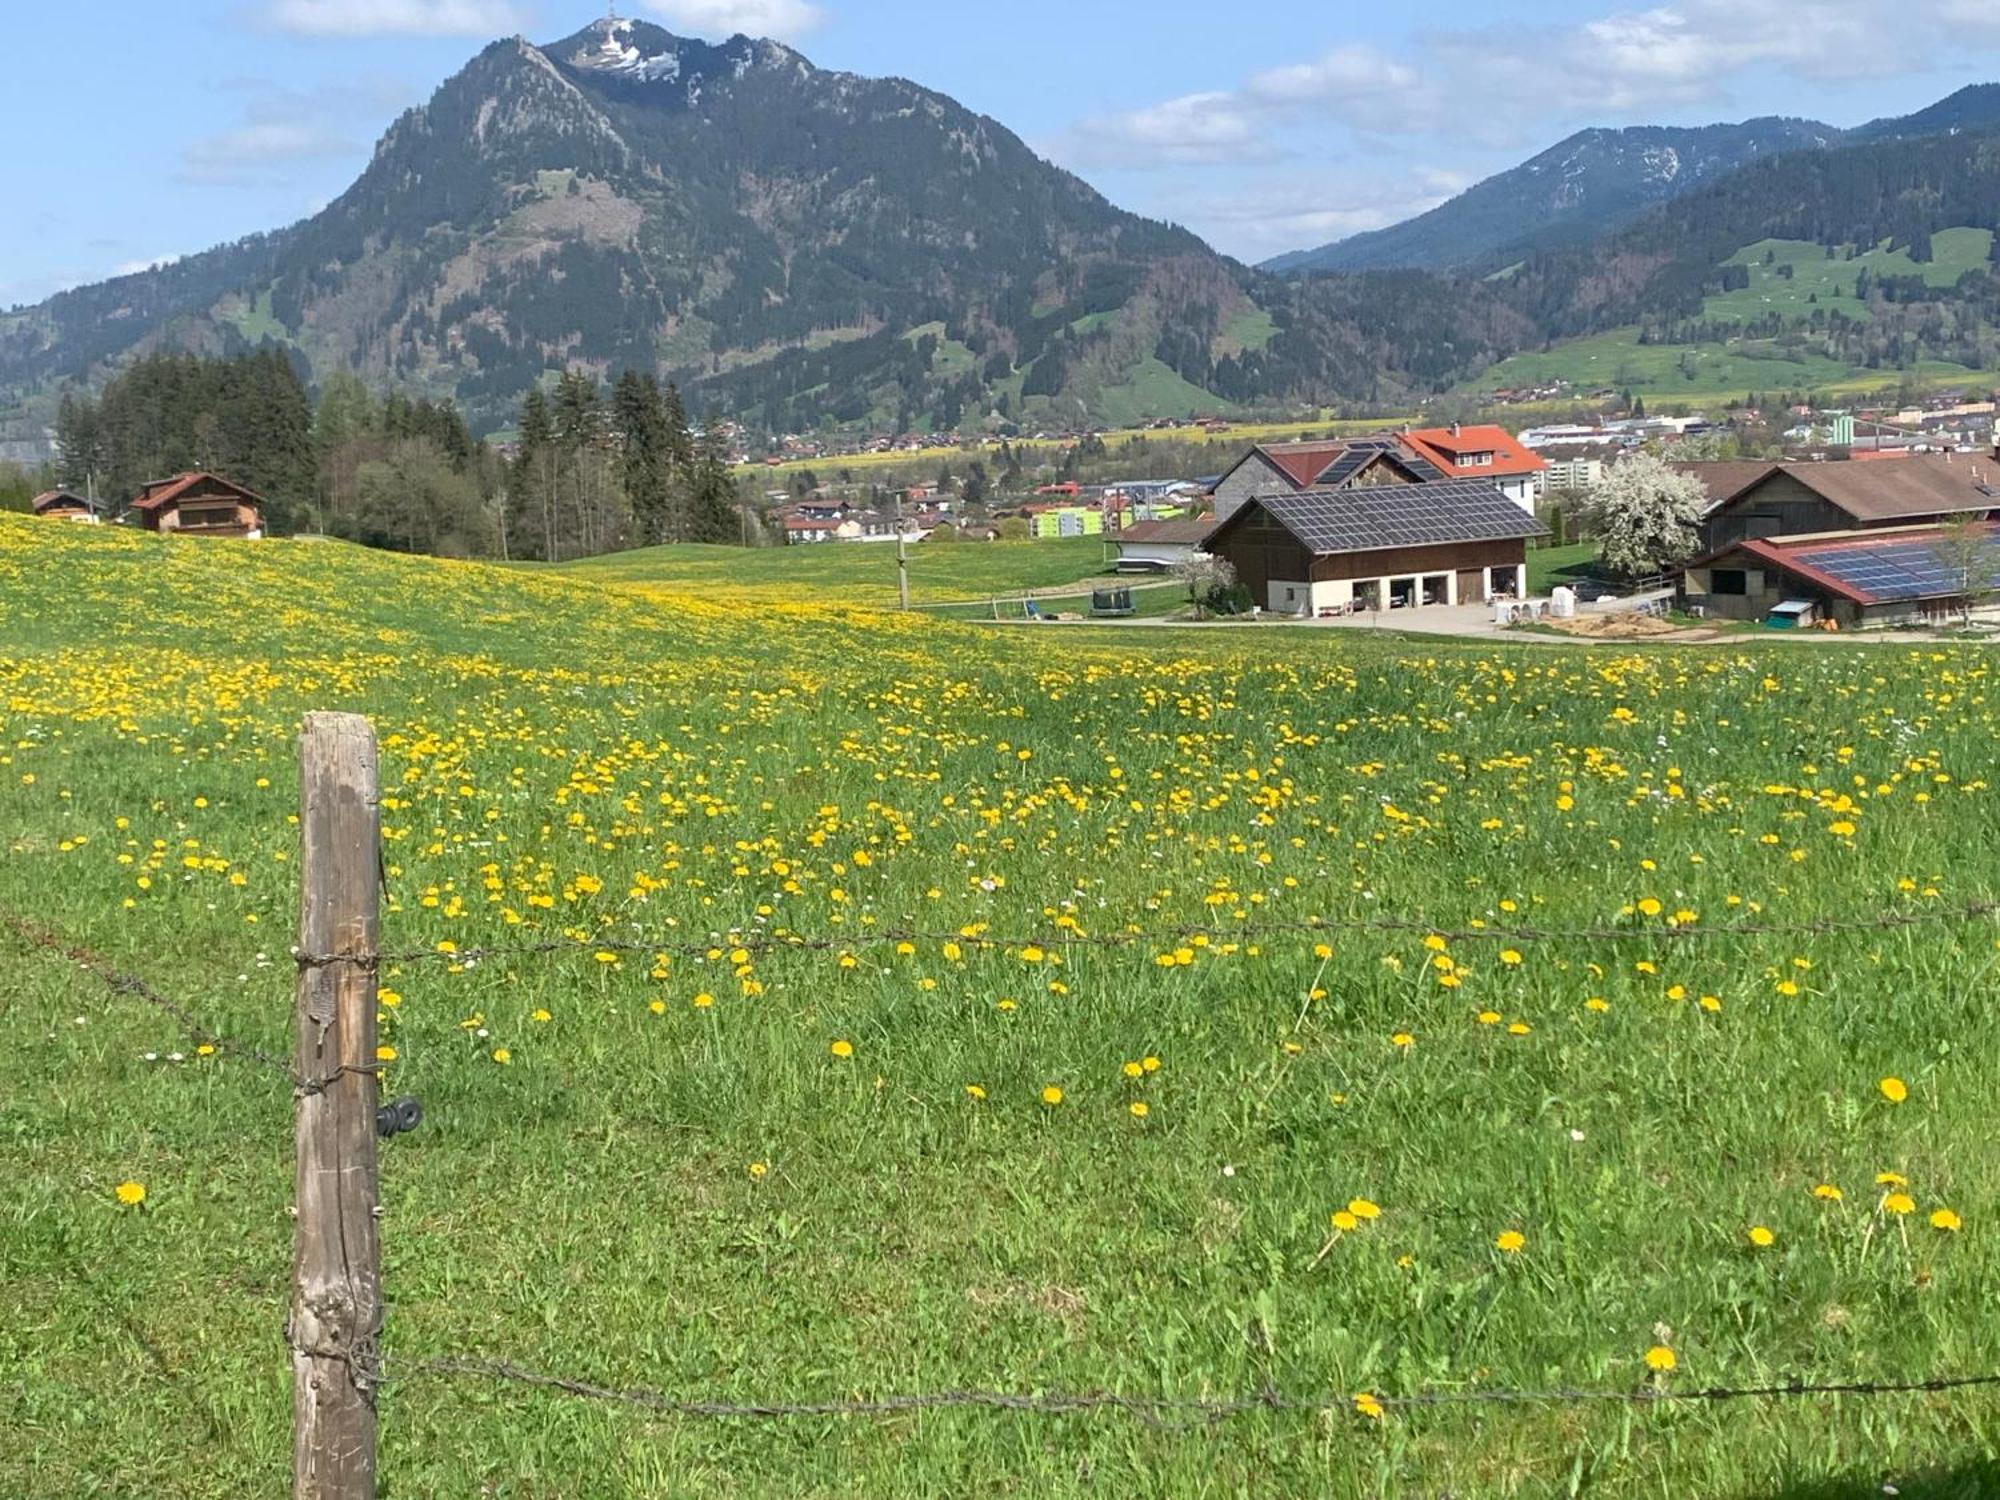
x=1302 y=463
x=1445 y=447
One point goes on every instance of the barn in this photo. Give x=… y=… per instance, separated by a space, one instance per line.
x=1328 y=552
x=1802 y=499
x=1890 y=576
x=65 y=505
x=1156 y=546
x=200 y=504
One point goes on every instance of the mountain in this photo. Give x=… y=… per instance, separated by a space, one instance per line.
x=1594 y=182
x=1597 y=181
x=794 y=244
x=1974 y=107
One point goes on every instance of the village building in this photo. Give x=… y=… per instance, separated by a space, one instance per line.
x=65 y=505
x=1157 y=546
x=1482 y=452
x=1808 y=499
x=1332 y=551
x=200 y=504
x=1888 y=576
x=1290 y=468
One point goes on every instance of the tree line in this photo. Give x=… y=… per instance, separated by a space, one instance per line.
x=593 y=470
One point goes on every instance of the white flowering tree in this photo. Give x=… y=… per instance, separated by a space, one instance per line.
x=1646 y=515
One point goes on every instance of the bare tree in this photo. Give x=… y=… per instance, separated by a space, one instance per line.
x=1967 y=550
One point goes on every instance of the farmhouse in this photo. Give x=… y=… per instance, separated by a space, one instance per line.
x=200 y=504
x=1327 y=551
x=1806 y=499
x=1291 y=467
x=1488 y=452
x=63 y=505
x=1155 y=546
x=1891 y=575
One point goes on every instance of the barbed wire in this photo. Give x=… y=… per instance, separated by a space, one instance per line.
x=197 y=1031
x=1160 y=1410
x=778 y=940
x=117 y=980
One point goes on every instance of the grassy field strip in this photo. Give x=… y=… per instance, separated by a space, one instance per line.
x=938 y=1008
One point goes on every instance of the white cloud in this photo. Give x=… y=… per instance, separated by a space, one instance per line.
x=1195 y=129
x=1495 y=86
x=363 y=18
x=1340 y=75
x=283 y=129
x=1294 y=211
x=261 y=148
x=781 y=20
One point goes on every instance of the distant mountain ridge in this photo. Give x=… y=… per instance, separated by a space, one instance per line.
x=1596 y=182
x=796 y=245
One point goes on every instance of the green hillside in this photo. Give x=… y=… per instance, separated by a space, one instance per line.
x=1791 y=281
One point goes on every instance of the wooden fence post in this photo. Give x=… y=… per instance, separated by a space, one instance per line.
x=336 y=1313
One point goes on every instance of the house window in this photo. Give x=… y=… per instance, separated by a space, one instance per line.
x=1476 y=461
x=1728 y=581
x=208 y=515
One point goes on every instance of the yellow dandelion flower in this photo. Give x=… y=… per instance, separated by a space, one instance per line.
x=1826 y=1192
x=1761 y=1237
x=1894 y=1090
x=1660 y=1358
x=1052 y=1096
x=1946 y=1220
x=842 y=1048
x=1899 y=1204
x=131 y=1194
x=1361 y=1208
x=974 y=1091
x=1366 y=1405
x=1139 y=1109
x=758 y=1169
x=1345 y=1221
x=502 y=1056
x=1510 y=1241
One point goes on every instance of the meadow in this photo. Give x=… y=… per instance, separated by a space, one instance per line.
x=1792 y=278
x=856 y=573
x=1170 y=1013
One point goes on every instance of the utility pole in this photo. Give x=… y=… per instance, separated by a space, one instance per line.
x=902 y=556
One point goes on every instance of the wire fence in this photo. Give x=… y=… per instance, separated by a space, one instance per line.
x=777 y=941
x=373 y=1371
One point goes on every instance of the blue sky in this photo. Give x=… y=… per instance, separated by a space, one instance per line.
x=144 y=129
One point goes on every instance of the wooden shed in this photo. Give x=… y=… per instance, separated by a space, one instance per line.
x=200 y=504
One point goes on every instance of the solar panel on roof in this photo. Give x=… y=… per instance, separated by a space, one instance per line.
x=1891 y=573
x=1390 y=516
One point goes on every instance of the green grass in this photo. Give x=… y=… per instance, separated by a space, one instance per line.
x=1151 y=600
x=1616 y=360
x=648 y=763
x=855 y=572
x=1150 y=390
x=1549 y=566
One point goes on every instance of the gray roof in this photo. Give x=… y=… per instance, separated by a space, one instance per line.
x=1398 y=515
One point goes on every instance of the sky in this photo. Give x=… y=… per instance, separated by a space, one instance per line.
x=140 y=130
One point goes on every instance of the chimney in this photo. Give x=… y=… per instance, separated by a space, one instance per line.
x=1455 y=429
